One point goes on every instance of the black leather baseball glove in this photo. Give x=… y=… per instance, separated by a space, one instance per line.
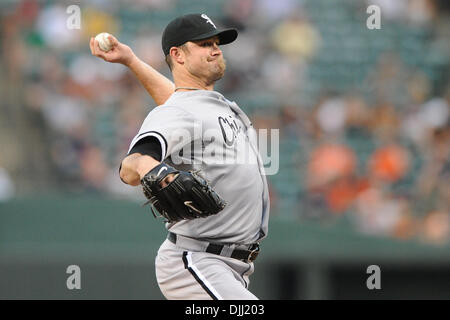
x=187 y=196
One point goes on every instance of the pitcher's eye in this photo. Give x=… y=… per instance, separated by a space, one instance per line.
x=209 y=43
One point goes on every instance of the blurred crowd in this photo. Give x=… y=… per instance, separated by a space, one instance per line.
x=364 y=115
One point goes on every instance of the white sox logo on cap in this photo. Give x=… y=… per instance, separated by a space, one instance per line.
x=208 y=20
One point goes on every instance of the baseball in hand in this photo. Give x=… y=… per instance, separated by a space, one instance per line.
x=103 y=41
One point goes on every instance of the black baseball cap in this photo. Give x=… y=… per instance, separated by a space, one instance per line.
x=197 y=26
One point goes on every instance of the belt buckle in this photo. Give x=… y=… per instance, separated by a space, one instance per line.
x=254 y=251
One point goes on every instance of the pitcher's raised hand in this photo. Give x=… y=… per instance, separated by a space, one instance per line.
x=119 y=53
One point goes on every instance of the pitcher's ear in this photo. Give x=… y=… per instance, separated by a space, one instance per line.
x=177 y=55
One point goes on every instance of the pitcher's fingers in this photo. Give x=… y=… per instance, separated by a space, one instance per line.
x=91 y=45
x=97 y=46
x=113 y=40
x=97 y=51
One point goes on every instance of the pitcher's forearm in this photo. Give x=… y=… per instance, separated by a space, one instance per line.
x=135 y=167
x=157 y=85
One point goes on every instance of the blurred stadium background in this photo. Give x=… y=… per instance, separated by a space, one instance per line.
x=363 y=115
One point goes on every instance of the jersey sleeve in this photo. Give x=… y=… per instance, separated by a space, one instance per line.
x=149 y=146
x=173 y=127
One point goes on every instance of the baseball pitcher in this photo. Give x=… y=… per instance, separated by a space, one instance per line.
x=196 y=159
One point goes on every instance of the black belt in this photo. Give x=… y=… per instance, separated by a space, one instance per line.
x=240 y=254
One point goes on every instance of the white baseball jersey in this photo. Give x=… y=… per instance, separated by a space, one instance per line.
x=201 y=130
